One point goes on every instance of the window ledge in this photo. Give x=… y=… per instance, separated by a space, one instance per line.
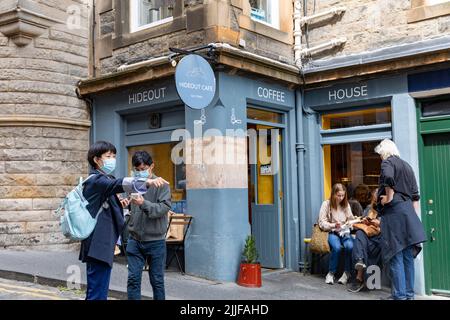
x=152 y=25
x=428 y=12
x=247 y=23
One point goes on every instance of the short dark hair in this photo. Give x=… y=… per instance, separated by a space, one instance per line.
x=97 y=149
x=141 y=157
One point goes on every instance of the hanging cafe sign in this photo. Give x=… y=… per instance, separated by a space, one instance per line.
x=195 y=81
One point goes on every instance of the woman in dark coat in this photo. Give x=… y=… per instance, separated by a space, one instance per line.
x=101 y=190
x=401 y=229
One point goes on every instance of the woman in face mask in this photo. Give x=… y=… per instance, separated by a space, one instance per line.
x=101 y=190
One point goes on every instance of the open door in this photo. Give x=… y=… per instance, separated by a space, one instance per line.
x=265 y=194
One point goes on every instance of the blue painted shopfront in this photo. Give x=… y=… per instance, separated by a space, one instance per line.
x=221 y=214
x=361 y=96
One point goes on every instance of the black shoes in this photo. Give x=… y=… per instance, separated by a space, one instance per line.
x=356 y=286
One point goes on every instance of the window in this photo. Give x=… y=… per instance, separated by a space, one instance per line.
x=175 y=174
x=432 y=2
x=436 y=108
x=427 y=9
x=364 y=117
x=355 y=165
x=266 y=11
x=150 y=13
x=263 y=115
x=349 y=139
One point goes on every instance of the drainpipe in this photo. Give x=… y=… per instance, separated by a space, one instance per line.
x=300 y=149
x=298 y=33
x=93 y=33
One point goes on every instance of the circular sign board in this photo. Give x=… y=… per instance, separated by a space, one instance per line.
x=195 y=81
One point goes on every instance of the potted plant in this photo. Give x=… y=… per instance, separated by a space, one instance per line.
x=250 y=269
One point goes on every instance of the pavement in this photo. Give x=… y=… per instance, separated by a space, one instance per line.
x=20 y=290
x=60 y=269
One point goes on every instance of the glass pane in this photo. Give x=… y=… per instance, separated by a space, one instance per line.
x=355 y=165
x=164 y=167
x=436 y=108
x=154 y=10
x=261 y=10
x=263 y=115
x=364 y=117
x=433 y=2
x=264 y=172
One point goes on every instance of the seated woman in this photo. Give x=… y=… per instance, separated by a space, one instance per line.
x=334 y=217
x=366 y=248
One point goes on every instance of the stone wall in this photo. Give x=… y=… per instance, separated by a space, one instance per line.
x=44 y=127
x=371 y=25
x=198 y=23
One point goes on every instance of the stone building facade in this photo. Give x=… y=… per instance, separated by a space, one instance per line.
x=369 y=57
x=375 y=28
x=195 y=23
x=252 y=49
x=44 y=126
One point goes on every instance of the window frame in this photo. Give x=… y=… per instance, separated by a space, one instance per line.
x=134 y=21
x=123 y=37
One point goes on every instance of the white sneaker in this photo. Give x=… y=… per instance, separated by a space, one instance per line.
x=344 y=278
x=329 y=279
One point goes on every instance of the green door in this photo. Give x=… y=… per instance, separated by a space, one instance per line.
x=436 y=202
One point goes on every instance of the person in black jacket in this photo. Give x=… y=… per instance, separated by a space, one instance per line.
x=401 y=229
x=101 y=190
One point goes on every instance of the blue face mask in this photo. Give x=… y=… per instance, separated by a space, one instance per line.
x=142 y=174
x=109 y=165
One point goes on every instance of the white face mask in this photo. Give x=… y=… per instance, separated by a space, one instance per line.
x=142 y=174
x=109 y=165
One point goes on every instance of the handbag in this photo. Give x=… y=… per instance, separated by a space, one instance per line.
x=319 y=240
x=369 y=230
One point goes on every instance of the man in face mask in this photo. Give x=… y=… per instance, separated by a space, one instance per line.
x=147 y=228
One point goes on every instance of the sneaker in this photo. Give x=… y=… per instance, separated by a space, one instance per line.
x=344 y=278
x=356 y=286
x=360 y=265
x=329 y=279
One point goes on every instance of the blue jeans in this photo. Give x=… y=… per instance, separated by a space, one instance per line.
x=98 y=276
x=402 y=274
x=137 y=253
x=335 y=245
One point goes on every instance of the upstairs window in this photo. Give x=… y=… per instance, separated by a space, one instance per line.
x=149 y=13
x=428 y=9
x=266 y=11
x=433 y=2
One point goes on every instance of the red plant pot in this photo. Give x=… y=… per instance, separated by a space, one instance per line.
x=250 y=275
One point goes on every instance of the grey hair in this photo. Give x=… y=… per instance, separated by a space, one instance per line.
x=386 y=149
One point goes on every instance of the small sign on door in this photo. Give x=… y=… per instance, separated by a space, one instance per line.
x=266 y=170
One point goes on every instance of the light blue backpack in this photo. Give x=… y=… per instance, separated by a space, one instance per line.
x=76 y=221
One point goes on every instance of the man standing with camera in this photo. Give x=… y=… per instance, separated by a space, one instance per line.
x=147 y=228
